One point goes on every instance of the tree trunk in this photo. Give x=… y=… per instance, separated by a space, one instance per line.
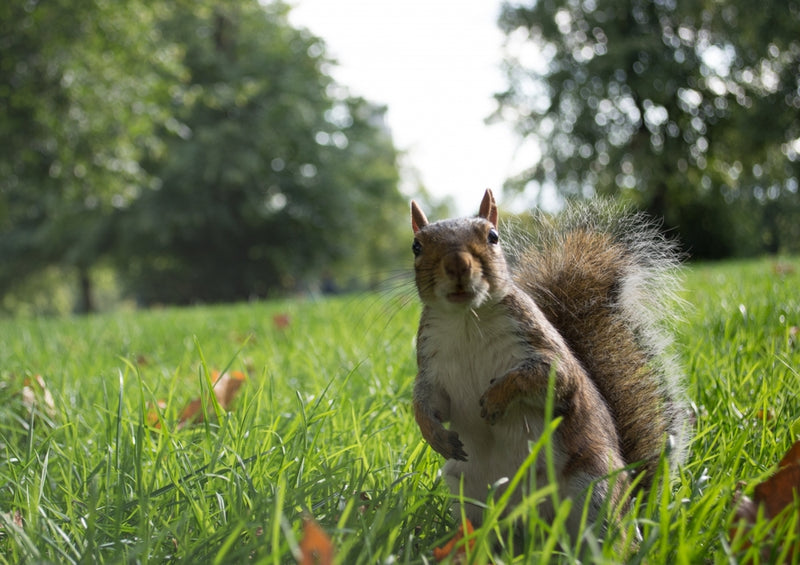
x=85 y=301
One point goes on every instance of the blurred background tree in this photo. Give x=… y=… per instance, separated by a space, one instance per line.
x=691 y=110
x=80 y=89
x=271 y=174
x=198 y=149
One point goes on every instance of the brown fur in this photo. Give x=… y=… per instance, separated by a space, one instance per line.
x=593 y=284
x=578 y=289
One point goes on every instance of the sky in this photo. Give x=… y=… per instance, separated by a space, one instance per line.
x=436 y=65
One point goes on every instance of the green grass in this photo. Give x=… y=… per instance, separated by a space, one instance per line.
x=324 y=427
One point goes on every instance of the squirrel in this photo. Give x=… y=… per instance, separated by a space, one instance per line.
x=582 y=307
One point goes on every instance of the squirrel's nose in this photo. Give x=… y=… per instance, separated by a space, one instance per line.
x=457 y=264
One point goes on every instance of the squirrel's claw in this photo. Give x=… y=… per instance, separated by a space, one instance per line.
x=448 y=444
x=457 y=448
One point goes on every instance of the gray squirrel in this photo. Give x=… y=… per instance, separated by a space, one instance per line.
x=584 y=299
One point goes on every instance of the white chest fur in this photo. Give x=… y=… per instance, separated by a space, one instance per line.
x=465 y=351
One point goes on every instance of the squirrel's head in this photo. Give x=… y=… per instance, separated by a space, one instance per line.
x=459 y=263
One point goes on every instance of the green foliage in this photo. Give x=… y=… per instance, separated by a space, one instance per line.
x=324 y=425
x=266 y=177
x=201 y=148
x=80 y=98
x=53 y=291
x=689 y=109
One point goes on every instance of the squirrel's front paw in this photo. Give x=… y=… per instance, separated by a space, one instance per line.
x=447 y=443
x=494 y=401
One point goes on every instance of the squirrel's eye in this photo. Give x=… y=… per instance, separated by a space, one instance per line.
x=493 y=236
x=416 y=247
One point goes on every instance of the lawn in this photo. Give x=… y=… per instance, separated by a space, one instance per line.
x=323 y=427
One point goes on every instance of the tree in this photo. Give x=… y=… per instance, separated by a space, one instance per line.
x=269 y=169
x=200 y=148
x=689 y=109
x=78 y=105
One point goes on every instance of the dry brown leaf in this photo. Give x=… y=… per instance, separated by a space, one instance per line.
x=243 y=339
x=367 y=499
x=451 y=548
x=773 y=495
x=783 y=269
x=746 y=509
x=226 y=386
x=792 y=456
x=767 y=415
x=281 y=321
x=779 y=491
x=192 y=413
x=14 y=518
x=316 y=547
x=35 y=394
x=153 y=417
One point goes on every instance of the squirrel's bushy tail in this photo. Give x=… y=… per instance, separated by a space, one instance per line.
x=606 y=279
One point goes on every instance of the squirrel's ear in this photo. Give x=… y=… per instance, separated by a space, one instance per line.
x=418 y=219
x=488 y=209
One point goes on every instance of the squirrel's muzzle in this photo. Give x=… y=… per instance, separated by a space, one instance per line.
x=457 y=265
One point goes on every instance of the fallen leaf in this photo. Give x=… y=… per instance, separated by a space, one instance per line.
x=192 y=413
x=35 y=394
x=367 y=499
x=774 y=494
x=316 y=547
x=226 y=386
x=779 y=491
x=451 y=548
x=281 y=321
x=14 y=518
x=792 y=456
x=243 y=339
x=746 y=509
x=767 y=415
x=153 y=417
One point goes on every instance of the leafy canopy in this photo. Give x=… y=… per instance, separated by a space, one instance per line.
x=201 y=149
x=689 y=109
